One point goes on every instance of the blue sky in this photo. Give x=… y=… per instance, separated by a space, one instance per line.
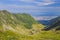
x=33 y=7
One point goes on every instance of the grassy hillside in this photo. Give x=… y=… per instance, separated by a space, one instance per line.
x=16 y=19
x=44 y=35
x=26 y=19
x=23 y=27
x=16 y=25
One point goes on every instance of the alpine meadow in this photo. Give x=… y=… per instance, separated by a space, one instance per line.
x=25 y=27
x=29 y=19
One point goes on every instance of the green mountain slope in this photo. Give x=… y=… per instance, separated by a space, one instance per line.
x=55 y=24
x=23 y=27
x=14 y=19
x=26 y=19
x=20 y=23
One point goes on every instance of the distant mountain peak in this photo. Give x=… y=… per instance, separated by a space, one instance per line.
x=55 y=23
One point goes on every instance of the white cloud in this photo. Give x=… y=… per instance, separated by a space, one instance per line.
x=24 y=0
x=41 y=3
x=19 y=8
x=27 y=0
x=28 y=8
x=45 y=2
x=44 y=17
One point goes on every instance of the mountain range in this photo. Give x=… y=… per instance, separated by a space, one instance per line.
x=22 y=26
x=20 y=23
x=50 y=24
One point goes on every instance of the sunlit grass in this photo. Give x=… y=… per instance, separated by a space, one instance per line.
x=44 y=35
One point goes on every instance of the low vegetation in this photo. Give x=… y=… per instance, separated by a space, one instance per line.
x=24 y=27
